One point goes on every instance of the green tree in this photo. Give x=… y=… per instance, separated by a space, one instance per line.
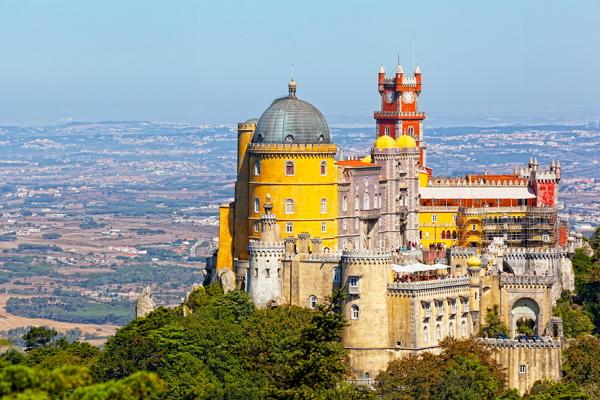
x=38 y=337
x=576 y=321
x=493 y=325
x=138 y=386
x=464 y=370
x=581 y=361
x=550 y=390
x=526 y=326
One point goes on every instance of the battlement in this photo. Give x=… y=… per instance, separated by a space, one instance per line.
x=463 y=252
x=534 y=253
x=325 y=257
x=285 y=148
x=513 y=343
x=259 y=248
x=364 y=256
x=526 y=280
x=246 y=126
x=399 y=114
x=441 y=283
x=479 y=180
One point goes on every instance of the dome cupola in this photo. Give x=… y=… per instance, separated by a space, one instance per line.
x=291 y=120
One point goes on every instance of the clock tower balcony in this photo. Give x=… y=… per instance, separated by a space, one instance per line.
x=399 y=115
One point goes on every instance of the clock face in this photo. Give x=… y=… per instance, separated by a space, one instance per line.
x=408 y=97
x=390 y=97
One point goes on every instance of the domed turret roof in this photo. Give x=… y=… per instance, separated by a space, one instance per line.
x=385 y=142
x=474 y=262
x=406 y=142
x=291 y=120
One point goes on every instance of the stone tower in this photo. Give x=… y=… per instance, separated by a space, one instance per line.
x=263 y=281
x=365 y=275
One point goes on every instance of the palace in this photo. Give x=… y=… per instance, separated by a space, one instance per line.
x=419 y=256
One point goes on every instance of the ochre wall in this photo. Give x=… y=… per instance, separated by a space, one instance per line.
x=306 y=187
x=225 y=253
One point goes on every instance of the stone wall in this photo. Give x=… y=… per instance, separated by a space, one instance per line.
x=527 y=361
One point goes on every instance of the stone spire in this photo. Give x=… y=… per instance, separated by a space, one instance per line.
x=399 y=69
x=381 y=70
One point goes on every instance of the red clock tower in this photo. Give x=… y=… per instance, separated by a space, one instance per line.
x=399 y=113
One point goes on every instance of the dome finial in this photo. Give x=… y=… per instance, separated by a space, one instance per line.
x=292 y=85
x=292 y=88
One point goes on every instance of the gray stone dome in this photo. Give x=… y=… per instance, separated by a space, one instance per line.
x=291 y=120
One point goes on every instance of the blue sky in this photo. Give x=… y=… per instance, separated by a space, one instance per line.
x=224 y=61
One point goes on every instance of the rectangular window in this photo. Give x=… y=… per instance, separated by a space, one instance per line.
x=353 y=284
x=256 y=226
x=345 y=226
x=257 y=205
x=289 y=168
x=289 y=227
x=434 y=218
x=522 y=369
x=454 y=217
x=323 y=226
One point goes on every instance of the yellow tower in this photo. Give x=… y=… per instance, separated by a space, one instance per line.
x=240 y=242
x=292 y=158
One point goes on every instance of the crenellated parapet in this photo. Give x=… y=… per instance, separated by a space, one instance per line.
x=257 y=248
x=366 y=256
x=513 y=343
x=461 y=282
x=325 y=257
x=539 y=253
x=462 y=252
x=527 y=281
x=306 y=149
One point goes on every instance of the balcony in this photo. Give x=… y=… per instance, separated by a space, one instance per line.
x=427 y=313
x=398 y=114
x=369 y=214
x=453 y=310
x=353 y=290
x=466 y=307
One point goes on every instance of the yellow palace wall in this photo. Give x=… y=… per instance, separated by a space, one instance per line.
x=449 y=219
x=306 y=187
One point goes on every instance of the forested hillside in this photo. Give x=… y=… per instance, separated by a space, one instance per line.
x=219 y=346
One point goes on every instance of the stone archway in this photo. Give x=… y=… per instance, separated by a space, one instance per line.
x=523 y=310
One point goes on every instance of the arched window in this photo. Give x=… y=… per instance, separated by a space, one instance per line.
x=443 y=235
x=289 y=206
x=420 y=234
x=366 y=201
x=410 y=131
x=323 y=167
x=451 y=329
x=463 y=329
x=312 y=301
x=337 y=275
x=453 y=234
x=256 y=205
x=438 y=332
x=257 y=168
x=345 y=203
x=354 y=311
x=356 y=203
x=323 y=206
x=426 y=334
x=289 y=168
